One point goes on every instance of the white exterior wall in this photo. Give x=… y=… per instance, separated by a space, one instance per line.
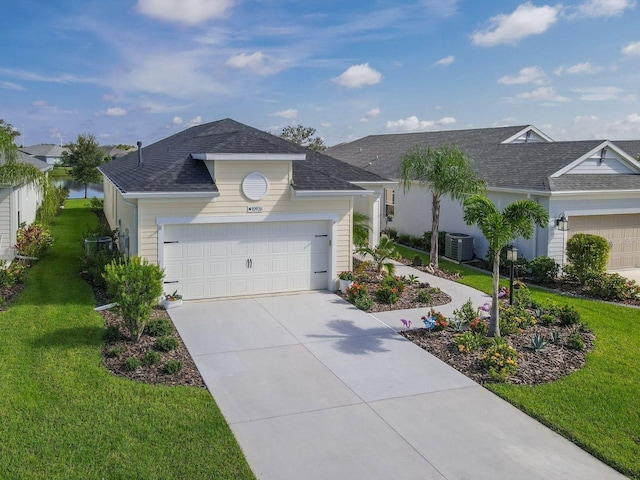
x=232 y=203
x=6 y=225
x=372 y=206
x=413 y=217
x=121 y=214
x=585 y=204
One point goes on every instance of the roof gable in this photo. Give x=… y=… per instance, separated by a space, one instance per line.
x=529 y=134
x=604 y=159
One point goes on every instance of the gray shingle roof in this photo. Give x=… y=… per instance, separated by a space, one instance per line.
x=168 y=166
x=632 y=147
x=44 y=150
x=41 y=165
x=514 y=166
x=595 y=182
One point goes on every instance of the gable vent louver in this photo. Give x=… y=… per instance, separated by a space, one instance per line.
x=255 y=186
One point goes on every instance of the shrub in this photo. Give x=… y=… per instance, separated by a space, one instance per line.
x=172 y=367
x=52 y=200
x=423 y=296
x=357 y=290
x=165 y=344
x=111 y=334
x=131 y=364
x=387 y=295
x=426 y=239
x=501 y=360
x=12 y=274
x=114 y=352
x=135 y=285
x=33 y=240
x=97 y=203
x=547 y=319
x=393 y=282
x=544 y=269
x=587 y=255
x=568 y=315
x=612 y=286
x=479 y=326
x=96 y=263
x=468 y=341
x=364 y=302
x=514 y=318
x=151 y=357
x=466 y=313
x=522 y=296
x=574 y=342
x=160 y=327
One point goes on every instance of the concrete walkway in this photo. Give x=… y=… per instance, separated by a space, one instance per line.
x=314 y=388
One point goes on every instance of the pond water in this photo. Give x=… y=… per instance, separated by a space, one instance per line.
x=76 y=189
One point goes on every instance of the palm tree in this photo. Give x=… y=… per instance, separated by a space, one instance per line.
x=382 y=254
x=13 y=172
x=360 y=230
x=444 y=170
x=499 y=228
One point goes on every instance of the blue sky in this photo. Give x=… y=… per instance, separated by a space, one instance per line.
x=128 y=70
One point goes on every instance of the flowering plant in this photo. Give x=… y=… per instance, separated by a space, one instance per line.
x=434 y=321
x=172 y=297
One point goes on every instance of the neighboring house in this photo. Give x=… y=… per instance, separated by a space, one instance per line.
x=18 y=204
x=229 y=210
x=47 y=152
x=111 y=151
x=595 y=184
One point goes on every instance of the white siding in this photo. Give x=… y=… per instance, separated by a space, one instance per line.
x=121 y=214
x=612 y=164
x=413 y=217
x=6 y=228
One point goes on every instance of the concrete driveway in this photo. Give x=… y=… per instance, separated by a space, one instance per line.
x=315 y=389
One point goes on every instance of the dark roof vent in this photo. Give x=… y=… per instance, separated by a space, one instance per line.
x=139 y=153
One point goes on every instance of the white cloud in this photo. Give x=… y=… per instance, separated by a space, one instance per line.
x=115 y=112
x=633 y=118
x=177 y=120
x=578 y=69
x=585 y=118
x=11 y=86
x=290 y=113
x=189 y=12
x=446 y=61
x=40 y=103
x=605 y=8
x=525 y=20
x=598 y=94
x=374 y=112
x=357 y=76
x=632 y=49
x=412 y=124
x=533 y=75
x=442 y=8
x=256 y=62
x=547 y=95
x=194 y=121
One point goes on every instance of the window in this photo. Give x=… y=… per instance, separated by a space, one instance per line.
x=389 y=201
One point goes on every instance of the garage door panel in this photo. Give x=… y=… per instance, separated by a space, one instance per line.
x=622 y=231
x=218 y=260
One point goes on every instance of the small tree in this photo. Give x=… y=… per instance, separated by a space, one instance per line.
x=303 y=136
x=360 y=229
x=587 y=255
x=444 y=170
x=84 y=156
x=499 y=228
x=381 y=254
x=135 y=285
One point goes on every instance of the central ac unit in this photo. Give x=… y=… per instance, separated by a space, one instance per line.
x=458 y=246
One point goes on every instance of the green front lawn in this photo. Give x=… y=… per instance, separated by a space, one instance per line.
x=62 y=415
x=597 y=407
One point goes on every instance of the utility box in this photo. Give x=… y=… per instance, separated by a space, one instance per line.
x=458 y=247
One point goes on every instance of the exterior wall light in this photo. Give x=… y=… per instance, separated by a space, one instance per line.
x=562 y=223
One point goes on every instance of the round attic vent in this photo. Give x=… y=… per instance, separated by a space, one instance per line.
x=255 y=186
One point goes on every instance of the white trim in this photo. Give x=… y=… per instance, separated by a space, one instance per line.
x=544 y=136
x=606 y=144
x=590 y=194
x=252 y=157
x=281 y=217
x=521 y=191
x=330 y=193
x=171 y=195
x=606 y=211
x=381 y=183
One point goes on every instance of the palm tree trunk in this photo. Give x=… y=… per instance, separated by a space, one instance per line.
x=494 y=321
x=435 y=222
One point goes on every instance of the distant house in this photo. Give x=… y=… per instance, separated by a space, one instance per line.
x=230 y=210
x=594 y=184
x=47 y=152
x=18 y=204
x=111 y=151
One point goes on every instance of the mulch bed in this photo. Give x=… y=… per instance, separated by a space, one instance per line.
x=534 y=368
x=153 y=374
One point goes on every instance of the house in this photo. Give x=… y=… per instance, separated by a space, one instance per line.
x=594 y=184
x=111 y=151
x=47 y=152
x=18 y=204
x=229 y=210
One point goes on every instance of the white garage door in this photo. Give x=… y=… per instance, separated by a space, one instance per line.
x=622 y=232
x=223 y=260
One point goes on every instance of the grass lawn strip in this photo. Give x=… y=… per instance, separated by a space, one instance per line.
x=596 y=407
x=62 y=415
